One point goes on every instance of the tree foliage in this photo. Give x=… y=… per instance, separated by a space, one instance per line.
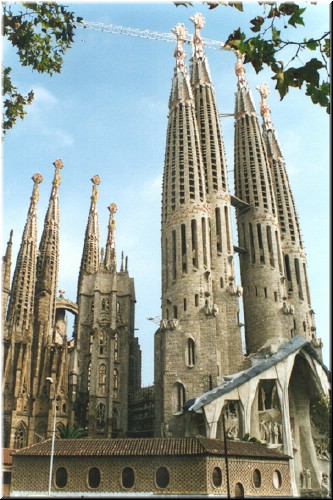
x=266 y=46
x=41 y=33
x=70 y=431
x=320 y=411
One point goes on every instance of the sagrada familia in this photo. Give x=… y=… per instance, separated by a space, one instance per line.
x=201 y=372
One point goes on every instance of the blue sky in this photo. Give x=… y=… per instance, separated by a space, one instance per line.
x=106 y=114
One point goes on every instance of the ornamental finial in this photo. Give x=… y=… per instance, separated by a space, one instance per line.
x=58 y=166
x=264 y=109
x=199 y=22
x=95 y=180
x=37 y=178
x=240 y=70
x=113 y=209
x=181 y=32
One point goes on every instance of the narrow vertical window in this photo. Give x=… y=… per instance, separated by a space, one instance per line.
x=261 y=245
x=190 y=352
x=204 y=240
x=196 y=300
x=102 y=379
x=175 y=312
x=194 y=242
x=218 y=230
x=185 y=304
x=253 y=253
x=265 y=293
x=298 y=279
x=88 y=376
x=174 y=255
x=115 y=383
x=184 y=253
x=227 y=228
x=278 y=251
x=244 y=244
x=270 y=246
x=288 y=272
x=306 y=284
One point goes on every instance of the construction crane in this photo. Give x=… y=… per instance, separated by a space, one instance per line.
x=151 y=35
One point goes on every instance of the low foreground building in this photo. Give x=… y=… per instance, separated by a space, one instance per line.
x=151 y=466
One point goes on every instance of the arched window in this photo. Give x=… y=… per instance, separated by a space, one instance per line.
x=102 y=379
x=40 y=432
x=277 y=479
x=128 y=477
x=162 y=477
x=217 y=477
x=190 y=352
x=102 y=343
x=257 y=478
x=94 y=477
x=20 y=436
x=239 y=490
x=115 y=383
x=178 y=397
x=61 y=477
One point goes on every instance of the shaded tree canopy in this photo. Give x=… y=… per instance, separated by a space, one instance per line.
x=41 y=33
x=267 y=44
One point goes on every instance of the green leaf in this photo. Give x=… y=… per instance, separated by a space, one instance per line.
x=296 y=18
x=257 y=23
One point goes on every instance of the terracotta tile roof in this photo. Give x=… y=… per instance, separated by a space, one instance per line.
x=186 y=446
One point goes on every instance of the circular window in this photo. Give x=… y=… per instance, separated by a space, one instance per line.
x=61 y=477
x=127 y=477
x=217 y=477
x=94 y=477
x=257 y=478
x=162 y=477
x=277 y=479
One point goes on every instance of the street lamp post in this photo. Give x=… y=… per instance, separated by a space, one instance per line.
x=49 y=379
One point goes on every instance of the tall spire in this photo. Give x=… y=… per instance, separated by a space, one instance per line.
x=225 y=292
x=110 y=249
x=261 y=266
x=291 y=240
x=199 y=70
x=48 y=258
x=91 y=252
x=6 y=269
x=21 y=303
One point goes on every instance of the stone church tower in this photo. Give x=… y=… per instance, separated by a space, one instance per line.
x=199 y=336
x=104 y=332
x=33 y=350
x=95 y=373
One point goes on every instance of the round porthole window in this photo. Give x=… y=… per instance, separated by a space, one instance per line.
x=94 y=477
x=257 y=478
x=217 y=477
x=277 y=479
x=61 y=477
x=127 y=477
x=162 y=477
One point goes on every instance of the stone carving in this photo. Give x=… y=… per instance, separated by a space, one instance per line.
x=322 y=451
x=169 y=323
x=324 y=486
x=231 y=412
x=288 y=308
x=270 y=432
x=305 y=479
x=60 y=332
x=211 y=309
